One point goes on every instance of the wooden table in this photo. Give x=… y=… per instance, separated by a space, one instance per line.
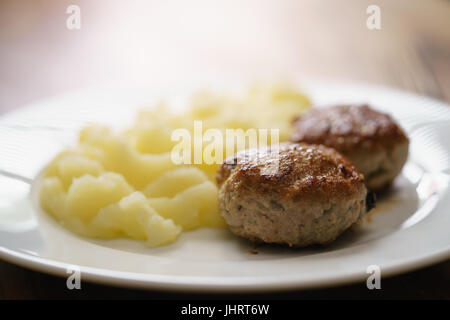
x=137 y=43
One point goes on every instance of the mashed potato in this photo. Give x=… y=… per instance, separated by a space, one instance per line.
x=125 y=184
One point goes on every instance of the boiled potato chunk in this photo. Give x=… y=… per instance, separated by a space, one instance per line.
x=173 y=182
x=88 y=194
x=191 y=208
x=135 y=218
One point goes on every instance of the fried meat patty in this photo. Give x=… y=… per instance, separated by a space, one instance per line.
x=372 y=140
x=297 y=194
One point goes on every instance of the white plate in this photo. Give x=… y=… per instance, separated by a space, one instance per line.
x=409 y=230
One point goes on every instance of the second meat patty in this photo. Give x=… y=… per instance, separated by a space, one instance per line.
x=372 y=140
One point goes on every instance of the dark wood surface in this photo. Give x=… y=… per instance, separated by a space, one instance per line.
x=139 y=43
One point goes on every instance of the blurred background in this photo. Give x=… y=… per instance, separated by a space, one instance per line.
x=143 y=43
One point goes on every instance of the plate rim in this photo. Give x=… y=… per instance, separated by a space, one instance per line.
x=149 y=282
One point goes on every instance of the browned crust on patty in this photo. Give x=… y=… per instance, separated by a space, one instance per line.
x=306 y=172
x=230 y=163
x=346 y=127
